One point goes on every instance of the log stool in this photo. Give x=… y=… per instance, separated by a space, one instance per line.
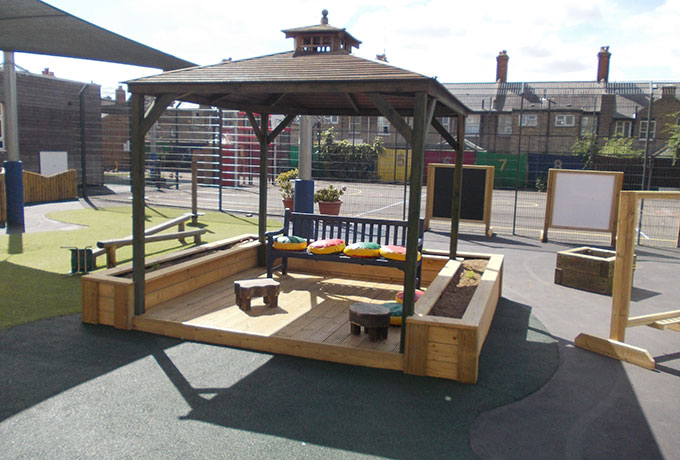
x=265 y=287
x=374 y=318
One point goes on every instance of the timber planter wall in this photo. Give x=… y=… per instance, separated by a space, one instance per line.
x=108 y=296
x=449 y=347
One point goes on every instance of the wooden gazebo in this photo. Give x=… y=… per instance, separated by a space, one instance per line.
x=320 y=77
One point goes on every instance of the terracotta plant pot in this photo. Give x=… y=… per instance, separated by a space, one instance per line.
x=330 y=207
x=288 y=203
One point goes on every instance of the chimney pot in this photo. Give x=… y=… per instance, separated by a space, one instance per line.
x=603 y=64
x=120 y=95
x=502 y=66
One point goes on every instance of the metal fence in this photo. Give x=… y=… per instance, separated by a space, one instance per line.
x=523 y=130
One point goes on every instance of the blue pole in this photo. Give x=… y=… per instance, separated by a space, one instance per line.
x=304 y=202
x=14 y=185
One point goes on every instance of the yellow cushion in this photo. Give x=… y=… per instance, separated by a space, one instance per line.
x=326 y=246
x=363 y=249
x=395 y=252
x=289 y=243
x=400 y=295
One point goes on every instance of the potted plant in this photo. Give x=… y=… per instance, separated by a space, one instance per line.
x=329 y=200
x=285 y=181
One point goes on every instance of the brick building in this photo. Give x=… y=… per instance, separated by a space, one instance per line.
x=49 y=118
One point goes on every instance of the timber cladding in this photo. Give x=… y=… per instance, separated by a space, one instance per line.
x=42 y=189
x=449 y=347
x=107 y=296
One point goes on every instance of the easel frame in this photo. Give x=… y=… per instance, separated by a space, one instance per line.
x=550 y=202
x=488 y=195
x=615 y=347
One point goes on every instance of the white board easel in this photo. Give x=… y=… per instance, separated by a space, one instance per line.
x=582 y=200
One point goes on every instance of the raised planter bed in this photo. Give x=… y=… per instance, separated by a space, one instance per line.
x=108 y=296
x=586 y=268
x=450 y=347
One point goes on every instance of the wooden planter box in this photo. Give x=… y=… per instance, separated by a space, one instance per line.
x=108 y=296
x=449 y=347
x=586 y=268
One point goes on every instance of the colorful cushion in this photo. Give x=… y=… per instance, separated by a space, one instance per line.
x=326 y=246
x=290 y=243
x=395 y=252
x=395 y=312
x=400 y=295
x=363 y=249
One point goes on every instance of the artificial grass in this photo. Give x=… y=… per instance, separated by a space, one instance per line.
x=36 y=283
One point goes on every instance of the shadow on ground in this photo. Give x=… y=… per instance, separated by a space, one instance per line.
x=380 y=412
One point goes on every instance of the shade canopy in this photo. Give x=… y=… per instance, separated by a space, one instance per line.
x=31 y=26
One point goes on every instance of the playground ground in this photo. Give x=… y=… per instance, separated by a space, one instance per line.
x=70 y=390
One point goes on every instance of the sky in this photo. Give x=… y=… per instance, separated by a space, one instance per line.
x=453 y=40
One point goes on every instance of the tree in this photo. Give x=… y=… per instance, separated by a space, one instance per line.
x=673 y=130
x=588 y=148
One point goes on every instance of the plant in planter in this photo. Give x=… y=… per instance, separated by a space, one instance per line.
x=329 y=200
x=285 y=181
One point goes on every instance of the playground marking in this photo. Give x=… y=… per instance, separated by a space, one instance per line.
x=398 y=203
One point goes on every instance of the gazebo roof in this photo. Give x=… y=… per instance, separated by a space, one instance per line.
x=313 y=84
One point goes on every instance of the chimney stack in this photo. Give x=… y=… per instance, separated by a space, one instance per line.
x=668 y=92
x=502 y=67
x=603 y=64
x=120 y=95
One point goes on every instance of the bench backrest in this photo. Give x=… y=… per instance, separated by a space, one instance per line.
x=350 y=229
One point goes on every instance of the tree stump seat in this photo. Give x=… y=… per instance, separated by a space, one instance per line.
x=374 y=318
x=247 y=289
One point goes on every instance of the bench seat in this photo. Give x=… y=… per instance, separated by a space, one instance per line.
x=350 y=229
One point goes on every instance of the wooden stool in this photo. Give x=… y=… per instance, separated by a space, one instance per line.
x=374 y=318
x=265 y=287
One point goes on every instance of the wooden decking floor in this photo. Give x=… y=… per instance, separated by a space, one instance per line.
x=311 y=308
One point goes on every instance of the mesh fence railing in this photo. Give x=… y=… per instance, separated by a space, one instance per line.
x=523 y=132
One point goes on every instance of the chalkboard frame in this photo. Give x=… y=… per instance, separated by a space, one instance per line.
x=488 y=194
x=553 y=201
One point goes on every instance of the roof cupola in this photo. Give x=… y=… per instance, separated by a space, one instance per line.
x=322 y=38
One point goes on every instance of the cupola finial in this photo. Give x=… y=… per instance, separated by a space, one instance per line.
x=324 y=17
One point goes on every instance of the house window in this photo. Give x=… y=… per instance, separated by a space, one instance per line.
x=445 y=122
x=2 y=127
x=643 y=129
x=330 y=119
x=564 y=120
x=528 y=120
x=505 y=124
x=587 y=126
x=472 y=124
x=383 y=126
x=623 y=128
x=355 y=124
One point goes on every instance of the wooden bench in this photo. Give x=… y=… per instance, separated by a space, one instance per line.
x=245 y=290
x=350 y=230
x=150 y=235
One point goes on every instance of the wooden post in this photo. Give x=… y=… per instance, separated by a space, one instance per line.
x=623 y=268
x=457 y=189
x=420 y=123
x=138 y=248
x=194 y=191
x=264 y=166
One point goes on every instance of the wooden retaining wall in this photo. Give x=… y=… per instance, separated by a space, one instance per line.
x=108 y=296
x=42 y=189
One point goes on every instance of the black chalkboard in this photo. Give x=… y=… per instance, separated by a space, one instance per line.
x=474 y=188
